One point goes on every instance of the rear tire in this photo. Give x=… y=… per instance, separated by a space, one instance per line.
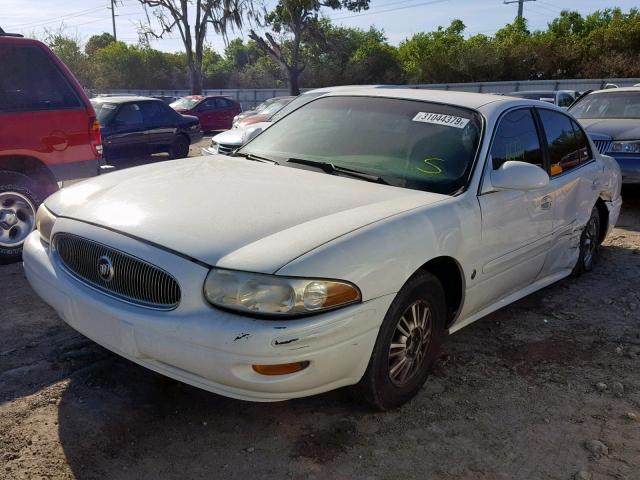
x=589 y=244
x=407 y=345
x=20 y=197
x=180 y=147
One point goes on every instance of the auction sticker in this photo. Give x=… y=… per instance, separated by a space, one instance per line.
x=441 y=119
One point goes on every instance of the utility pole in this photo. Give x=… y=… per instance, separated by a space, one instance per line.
x=113 y=18
x=520 y=5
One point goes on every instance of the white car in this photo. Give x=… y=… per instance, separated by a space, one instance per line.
x=339 y=247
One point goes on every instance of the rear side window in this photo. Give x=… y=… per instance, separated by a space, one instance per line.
x=129 y=115
x=567 y=146
x=516 y=139
x=154 y=112
x=31 y=81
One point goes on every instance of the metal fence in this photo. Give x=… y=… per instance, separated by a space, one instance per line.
x=250 y=97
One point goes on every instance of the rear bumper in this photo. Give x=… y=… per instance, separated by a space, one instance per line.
x=76 y=170
x=203 y=346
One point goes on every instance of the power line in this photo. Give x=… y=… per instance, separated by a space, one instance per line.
x=37 y=23
x=389 y=10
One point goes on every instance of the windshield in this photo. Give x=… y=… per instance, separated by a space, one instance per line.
x=412 y=144
x=608 y=105
x=185 y=103
x=294 y=104
x=103 y=110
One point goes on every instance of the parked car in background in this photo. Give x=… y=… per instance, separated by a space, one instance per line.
x=611 y=117
x=264 y=114
x=132 y=126
x=254 y=111
x=339 y=247
x=48 y=134
x=561 y=98
x=214 y=113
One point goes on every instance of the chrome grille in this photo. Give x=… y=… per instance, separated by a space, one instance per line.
x=132 y=280
x=602 y=145
x=226 y=149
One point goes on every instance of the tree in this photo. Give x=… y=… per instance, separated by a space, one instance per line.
x=96 y=42
x=295 y=22
x=221 y=15
x=69 y=51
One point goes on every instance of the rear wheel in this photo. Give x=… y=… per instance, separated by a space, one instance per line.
x=589 y=244
x=407 y=345
x=180 y=147
x=19 y=201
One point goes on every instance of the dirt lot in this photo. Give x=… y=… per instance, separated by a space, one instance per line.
x=526 y=393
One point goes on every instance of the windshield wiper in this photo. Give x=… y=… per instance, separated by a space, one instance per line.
x=256 y=158
x=332 y=169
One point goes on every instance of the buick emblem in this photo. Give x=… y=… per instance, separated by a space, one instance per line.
x=105 y=269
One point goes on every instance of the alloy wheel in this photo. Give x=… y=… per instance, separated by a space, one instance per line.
x=410 y=342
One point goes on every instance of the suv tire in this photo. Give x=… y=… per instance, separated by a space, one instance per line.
x=20 y=198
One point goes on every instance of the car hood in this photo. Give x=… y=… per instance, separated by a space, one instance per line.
x=614 y=128
x=238 y=136
x=233 y=212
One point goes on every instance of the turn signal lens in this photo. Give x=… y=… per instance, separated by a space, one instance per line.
x=282 y=369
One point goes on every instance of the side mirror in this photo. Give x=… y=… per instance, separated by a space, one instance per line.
x=514 y=175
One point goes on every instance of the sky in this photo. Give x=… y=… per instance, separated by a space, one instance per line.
x=399 y=19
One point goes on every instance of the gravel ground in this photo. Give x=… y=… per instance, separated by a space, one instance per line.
x=547 y=388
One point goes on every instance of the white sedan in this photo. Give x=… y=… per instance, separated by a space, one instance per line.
x=339 y=247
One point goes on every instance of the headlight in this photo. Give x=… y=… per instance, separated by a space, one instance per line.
x=214 y=146
x=630 y=146
x=44 y=222
x=273 y=295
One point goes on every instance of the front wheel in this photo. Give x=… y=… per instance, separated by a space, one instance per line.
x=180 y=147
x=589 y=244
x=19 y=201
x=407 y=345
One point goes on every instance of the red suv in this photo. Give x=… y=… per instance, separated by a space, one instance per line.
x=48 y=134
x=214 y=113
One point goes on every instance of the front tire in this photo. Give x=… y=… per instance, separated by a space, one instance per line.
x=19 y=201
x=407 y=345
x=589 y=244
x=180 y=147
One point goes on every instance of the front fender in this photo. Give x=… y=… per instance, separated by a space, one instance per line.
x=379 y=258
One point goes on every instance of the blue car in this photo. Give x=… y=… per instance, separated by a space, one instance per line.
x=612 y=119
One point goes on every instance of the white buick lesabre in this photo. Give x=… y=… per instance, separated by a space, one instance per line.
x=337 y=248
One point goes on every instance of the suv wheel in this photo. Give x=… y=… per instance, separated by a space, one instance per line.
x=180 y=147
x=408 y=343
x=19 y=201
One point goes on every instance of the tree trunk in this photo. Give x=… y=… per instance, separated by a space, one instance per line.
x=195 y=73
x=294 y=81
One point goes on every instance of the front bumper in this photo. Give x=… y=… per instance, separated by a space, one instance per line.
x=203 y=346
x=629 y=166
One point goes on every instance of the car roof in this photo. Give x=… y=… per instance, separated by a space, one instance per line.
x=450 y=97
x=124 y=99
x=619 y=89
